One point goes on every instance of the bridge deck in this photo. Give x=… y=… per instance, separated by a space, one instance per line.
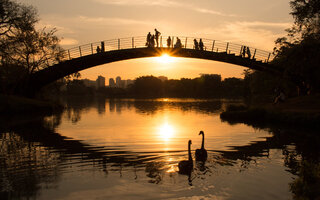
x=90 y=55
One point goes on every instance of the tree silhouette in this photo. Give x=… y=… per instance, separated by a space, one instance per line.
x=298 y=53
x=23 y=49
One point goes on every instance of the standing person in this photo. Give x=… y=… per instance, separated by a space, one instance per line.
x=196 y=44
x=157 y=34
x=98 y=49
x=102 y=46
x=244 y=51
x=169 y=42
x=201 y=44
x=178 y=43
x=152 y=41
x=248 y=53
x=148 y=39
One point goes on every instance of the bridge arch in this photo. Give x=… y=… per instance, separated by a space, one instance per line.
x=86 y=56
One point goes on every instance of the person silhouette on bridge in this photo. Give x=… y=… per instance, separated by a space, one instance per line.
x=148 y=39
x=196 y=44
x=178 y=43
x=201 y=44
x=169 y=42
x=157 y=34
x=248 y=53
x=98 y=49
x=102 y=46
x=244 y=51
x=152 y=41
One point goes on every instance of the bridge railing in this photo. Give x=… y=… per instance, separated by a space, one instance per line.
x=187 y=42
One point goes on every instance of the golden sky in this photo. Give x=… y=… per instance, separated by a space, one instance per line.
x=255 y=23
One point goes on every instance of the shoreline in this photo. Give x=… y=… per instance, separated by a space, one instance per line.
x=13 y=105
x=298 y=112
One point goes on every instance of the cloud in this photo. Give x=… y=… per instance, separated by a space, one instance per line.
x=255 y=24
x=163 y=3
x=113 y=21
x=206 y=11
x=50 y=22
x=68 y=41
x=48 y=26
x=253 y=33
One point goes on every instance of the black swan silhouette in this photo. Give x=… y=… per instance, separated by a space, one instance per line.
x=186 y=166
x=201 y=154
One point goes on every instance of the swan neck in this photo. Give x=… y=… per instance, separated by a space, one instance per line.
x=189 y=151
x=202 y=145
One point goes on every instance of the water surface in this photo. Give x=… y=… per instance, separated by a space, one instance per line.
x=130 y=149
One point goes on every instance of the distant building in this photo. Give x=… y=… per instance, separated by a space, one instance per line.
x=111 y=82
x=163 y=78
x=89 y=83
x=118 y=81
x=101 y=82
x=123 y=83
x=128 y=82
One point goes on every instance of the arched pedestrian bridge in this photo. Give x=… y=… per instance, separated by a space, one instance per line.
x=98 y=53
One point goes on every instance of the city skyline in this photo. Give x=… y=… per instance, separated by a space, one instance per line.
x=100 y=81
x=114 y=79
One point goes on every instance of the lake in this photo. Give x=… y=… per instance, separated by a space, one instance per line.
x=130 y=149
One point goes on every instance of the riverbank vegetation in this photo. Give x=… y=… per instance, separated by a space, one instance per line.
x=24 y=49
x=298 y=57
x=303 y=112
x=205 y=86
x=10 y=105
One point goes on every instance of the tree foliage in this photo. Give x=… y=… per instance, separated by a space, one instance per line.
x=15 y=16
x=148 y=86
x=207 y=85
x=298 y=54
x=23 y=49
x=306 y=14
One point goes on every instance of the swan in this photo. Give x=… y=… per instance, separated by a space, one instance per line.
x=201 y=154
x=186 y=166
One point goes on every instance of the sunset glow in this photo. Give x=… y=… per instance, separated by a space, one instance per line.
x=97 y=20
x=166 y=99
x=165 y=59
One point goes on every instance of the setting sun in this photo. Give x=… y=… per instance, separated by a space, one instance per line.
x=165 y=59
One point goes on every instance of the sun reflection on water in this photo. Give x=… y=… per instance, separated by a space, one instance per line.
x=166 y=131
x=172 y=168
